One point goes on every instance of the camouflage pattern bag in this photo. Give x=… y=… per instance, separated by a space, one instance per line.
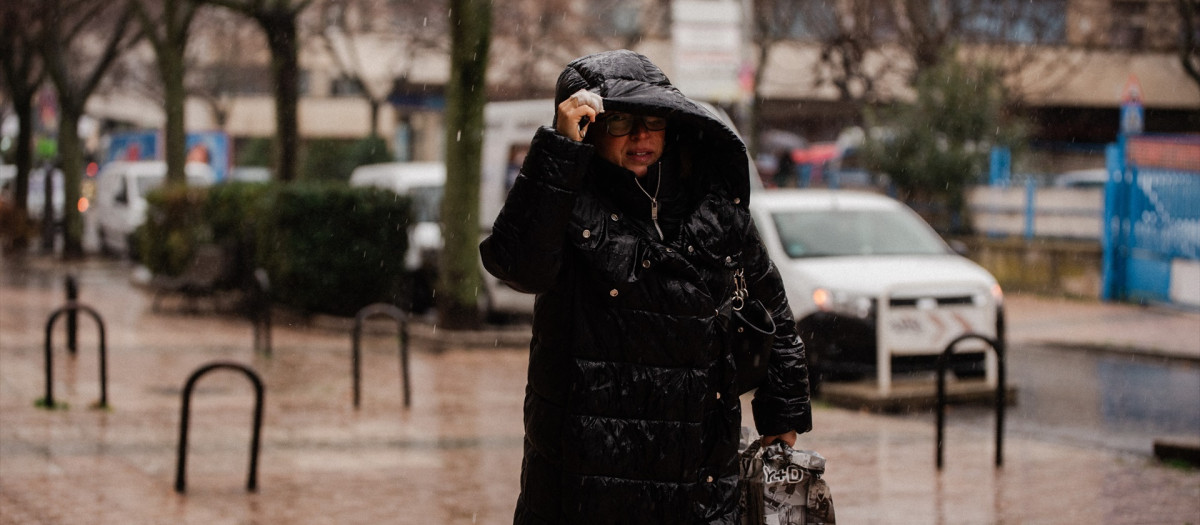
x=782 y=486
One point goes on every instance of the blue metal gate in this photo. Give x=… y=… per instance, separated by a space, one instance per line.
x=1152 y=220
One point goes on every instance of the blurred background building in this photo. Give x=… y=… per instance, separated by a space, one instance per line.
x=378 y=66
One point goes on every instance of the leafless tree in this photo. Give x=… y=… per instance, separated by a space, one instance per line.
x=79 y=41
x=23 y=73
x=279 y=22
x=374 y=43
x=535 y=38
x=223 y=60
x=864 y=43
x=167 y=25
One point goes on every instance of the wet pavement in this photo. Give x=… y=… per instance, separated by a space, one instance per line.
x=454 y=456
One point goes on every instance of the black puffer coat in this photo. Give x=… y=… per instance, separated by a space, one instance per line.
x=631 y=414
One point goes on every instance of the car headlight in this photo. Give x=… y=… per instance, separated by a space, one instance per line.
x=841 y=302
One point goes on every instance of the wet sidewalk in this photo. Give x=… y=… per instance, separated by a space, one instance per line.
x=454 y=456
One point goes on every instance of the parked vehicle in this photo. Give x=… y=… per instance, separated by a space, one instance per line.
x=424 y=183
x=120 y=203
x=873 y=288
x=509 y=128
x=35 y=201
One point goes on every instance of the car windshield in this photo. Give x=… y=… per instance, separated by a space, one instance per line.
x=427 y=201
x=858 y=232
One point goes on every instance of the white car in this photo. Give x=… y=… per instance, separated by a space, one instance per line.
x=874 y=289
x=120 y=203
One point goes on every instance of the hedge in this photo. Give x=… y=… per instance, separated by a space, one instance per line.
x=327 y=248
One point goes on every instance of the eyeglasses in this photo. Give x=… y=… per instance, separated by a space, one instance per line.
x=621 y=124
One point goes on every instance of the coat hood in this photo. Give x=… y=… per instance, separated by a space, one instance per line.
x=628 y=81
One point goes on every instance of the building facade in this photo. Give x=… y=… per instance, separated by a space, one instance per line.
x=1073 y=63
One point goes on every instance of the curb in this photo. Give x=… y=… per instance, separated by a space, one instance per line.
x=1116 y=349
x=424 y=332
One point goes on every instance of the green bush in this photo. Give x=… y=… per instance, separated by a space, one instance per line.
x=327 y=248
x=253 y=152
x=334 y=249
x=174 y=226
x=233 y=212
x=333 y=160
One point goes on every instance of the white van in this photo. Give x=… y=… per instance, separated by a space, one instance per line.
x=425 y=183
x=120 y=203
x=510 y=127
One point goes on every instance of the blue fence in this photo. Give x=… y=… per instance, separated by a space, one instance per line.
x=1152 y=220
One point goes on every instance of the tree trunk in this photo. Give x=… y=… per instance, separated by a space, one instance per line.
x=466 y=94
x=70 y=154
x=375 y=103
x=285 y=68
x=23 y=154
x=170 y=60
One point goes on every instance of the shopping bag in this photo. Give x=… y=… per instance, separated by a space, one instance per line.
x=782 y=486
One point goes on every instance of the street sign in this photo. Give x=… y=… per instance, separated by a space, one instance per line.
x=707 y=38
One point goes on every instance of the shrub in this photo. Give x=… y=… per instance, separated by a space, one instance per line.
x=334 y=249
x=333 y=160
x=327 y=248
x=174 y=226
x=234 y=210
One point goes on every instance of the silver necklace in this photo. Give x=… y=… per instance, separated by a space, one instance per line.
x=653 y=200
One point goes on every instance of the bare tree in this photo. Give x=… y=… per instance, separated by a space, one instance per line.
x=279 y=22
x=23 y=73
x=80 y=40
x=866 y=44
x=772 y=22
x=374 y=43
x=225 y=44
x=535 y=38
x=166 y=25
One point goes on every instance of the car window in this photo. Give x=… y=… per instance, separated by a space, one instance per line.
x=427 y=203
x=848 y=233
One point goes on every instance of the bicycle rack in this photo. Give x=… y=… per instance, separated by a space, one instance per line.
x=260 y=312
x=69 y=308
x=252 y=479
x=997 y=346
x=72 y=286
x=356 y=360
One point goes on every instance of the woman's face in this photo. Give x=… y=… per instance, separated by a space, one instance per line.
x=635 y=151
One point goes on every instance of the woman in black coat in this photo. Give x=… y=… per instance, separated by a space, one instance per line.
x=629 y=221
